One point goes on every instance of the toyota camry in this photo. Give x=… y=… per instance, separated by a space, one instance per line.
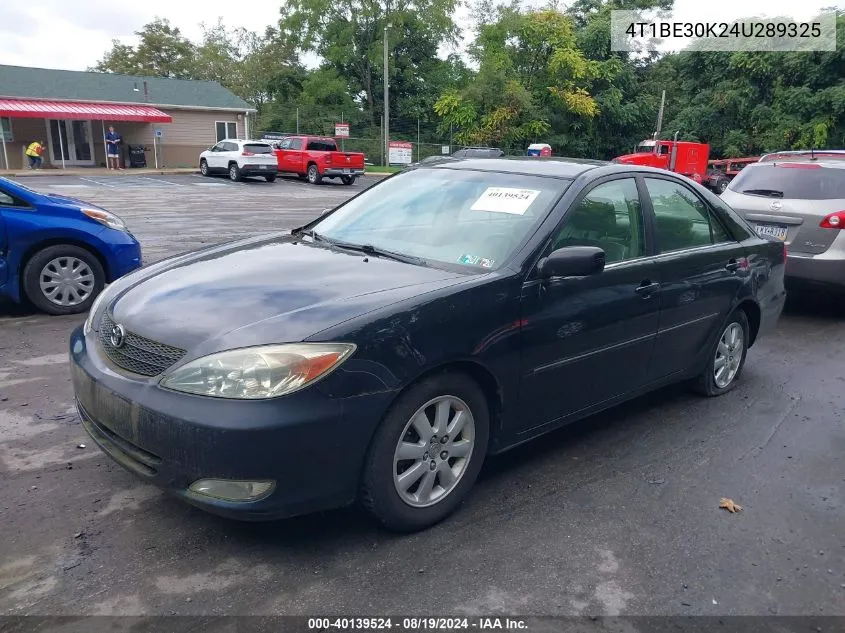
x=381 y=352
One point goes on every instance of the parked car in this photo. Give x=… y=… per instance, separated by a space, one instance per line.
x=478 y=152
x=801 y=203
x=239 y=159
x=452 y=311
x=59 y=252
x=317 y=157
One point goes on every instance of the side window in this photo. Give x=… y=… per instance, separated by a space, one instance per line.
x=681 y=220
x=285 y=144
x=664 y=149
x=610 y=218
x=296 y=143
x=231 y=147
x=6 y=200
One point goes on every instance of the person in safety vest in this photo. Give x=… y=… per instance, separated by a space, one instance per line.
x=33 y=152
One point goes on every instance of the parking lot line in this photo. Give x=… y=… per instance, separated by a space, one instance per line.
x=96 y=182
x=156 y=180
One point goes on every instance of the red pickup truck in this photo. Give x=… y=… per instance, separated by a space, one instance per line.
x=317 y=157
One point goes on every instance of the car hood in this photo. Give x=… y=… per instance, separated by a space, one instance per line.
x=635 y=159
x=263 y=291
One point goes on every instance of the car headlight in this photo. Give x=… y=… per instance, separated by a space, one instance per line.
x=89 y=322
x=105 y=217
x=254 y=373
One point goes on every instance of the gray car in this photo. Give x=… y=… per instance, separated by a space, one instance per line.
x=801 y=202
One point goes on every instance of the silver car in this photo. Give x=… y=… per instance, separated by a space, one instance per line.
x=801 y=202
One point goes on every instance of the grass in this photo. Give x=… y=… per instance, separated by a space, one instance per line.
x=380 y=169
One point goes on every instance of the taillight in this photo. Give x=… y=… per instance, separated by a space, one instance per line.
x=245 y=153
x=834 y=221
x=328 y=158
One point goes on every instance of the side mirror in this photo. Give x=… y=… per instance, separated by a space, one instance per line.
x=572 y=261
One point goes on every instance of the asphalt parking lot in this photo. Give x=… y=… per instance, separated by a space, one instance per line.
x=614 y=515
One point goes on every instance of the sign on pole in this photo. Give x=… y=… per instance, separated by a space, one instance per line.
x=400 y=153
x=159 y=133
x=341 y=130
x=444 y=149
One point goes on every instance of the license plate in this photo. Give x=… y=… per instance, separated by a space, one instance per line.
x=265 y=166
x=777 y=231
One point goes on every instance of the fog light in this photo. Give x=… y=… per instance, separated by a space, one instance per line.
x=229 y=490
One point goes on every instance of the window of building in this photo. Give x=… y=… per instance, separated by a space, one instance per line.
x=6 y=129
x=226 y=129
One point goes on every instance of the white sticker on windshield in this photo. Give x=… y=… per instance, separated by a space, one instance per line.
x=505 y=200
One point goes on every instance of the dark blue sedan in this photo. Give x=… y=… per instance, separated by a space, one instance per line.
x=58 y=252
x=453 y=311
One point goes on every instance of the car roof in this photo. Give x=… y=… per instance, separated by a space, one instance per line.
x=524 y=165
x=787 y=160
x=815 y=154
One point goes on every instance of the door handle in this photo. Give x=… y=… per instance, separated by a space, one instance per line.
x=647 y=288
x=732 y=266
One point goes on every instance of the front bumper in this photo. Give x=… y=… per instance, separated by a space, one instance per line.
x=334 y=172
x=311 y=445
x=123 y=258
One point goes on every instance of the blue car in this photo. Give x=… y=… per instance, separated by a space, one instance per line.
x=58 y=252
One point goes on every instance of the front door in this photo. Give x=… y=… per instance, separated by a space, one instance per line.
x=71 y=140
x=589 y=339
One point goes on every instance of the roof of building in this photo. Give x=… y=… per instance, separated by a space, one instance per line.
x=73 y=85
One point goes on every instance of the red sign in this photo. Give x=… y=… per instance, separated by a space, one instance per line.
x=341 y=130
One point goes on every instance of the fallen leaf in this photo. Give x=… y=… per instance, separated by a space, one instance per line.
x=729 y=504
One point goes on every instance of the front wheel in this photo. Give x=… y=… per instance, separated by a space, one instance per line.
x=427 y=453
x=727 y=357
x=722 y=185
x=347 y=180
x=314 y=176
x=63 y=279
x=235 y=173
x=204 y=167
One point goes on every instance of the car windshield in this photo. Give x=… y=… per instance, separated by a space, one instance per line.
x=801 y=181
x=449 y=216
x=644 y=149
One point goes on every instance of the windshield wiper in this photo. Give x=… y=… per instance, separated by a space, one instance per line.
x=769 y=193
x=310 y=233
x=369 y=249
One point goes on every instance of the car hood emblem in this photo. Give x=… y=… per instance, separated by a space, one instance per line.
x=776 y=206
x=117 y=336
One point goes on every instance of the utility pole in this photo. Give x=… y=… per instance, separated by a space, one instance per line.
x=386 y=106
x=660 y=116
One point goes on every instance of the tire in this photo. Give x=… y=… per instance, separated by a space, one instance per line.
x=48 y=264
x=379 y=491
x=204 y=170
x=707 y=384
x=722 y=185
x=235 y=173
x=270 y=178
x=313 y=175
x=347 y=180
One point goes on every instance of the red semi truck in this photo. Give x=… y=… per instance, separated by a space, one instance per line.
x=317 y=157
x=682 y=157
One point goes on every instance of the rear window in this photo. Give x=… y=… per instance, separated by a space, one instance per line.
x=800 y=182
x=322 y=145
x=258 y=148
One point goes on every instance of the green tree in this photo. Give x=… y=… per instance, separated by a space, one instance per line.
x=161 y=52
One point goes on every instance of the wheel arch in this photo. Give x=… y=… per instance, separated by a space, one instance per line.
x=754 y=315
x=40 y=245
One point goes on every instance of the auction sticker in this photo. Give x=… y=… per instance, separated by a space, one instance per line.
x=505 y=200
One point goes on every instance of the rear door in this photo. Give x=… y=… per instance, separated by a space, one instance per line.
x=701 y=271
x=788 y=201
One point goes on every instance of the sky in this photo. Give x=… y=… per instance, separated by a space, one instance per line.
x=74 y=34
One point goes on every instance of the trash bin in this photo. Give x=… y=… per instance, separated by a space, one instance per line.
x=137 y=156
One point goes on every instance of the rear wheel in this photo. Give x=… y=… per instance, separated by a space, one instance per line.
x=727 y=357
x=722 y=185
x=270 y=178
x=235 y=173
x=63 y=279
x=427 y=453
x=347 y=180
x=314 y=176
x=204 y=167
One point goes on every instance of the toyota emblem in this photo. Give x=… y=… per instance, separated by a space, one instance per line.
x=117 y=337
x=775 y=206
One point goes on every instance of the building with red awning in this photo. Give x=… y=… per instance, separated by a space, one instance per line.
x=174 y=119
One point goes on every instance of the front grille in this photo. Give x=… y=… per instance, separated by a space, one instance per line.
x=138 y=354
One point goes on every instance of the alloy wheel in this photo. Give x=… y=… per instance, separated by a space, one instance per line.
x=728 y=355
x=433 y=451
x=67 y=281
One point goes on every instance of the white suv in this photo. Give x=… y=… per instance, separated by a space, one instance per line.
x=240 y=158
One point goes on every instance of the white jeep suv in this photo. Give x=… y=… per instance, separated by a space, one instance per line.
x=239 y=159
